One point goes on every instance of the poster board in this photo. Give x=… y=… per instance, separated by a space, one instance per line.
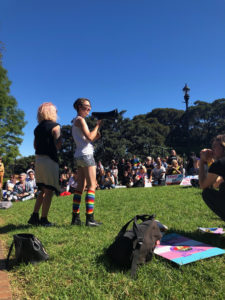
x=213 y=230
x=182 y=250
x=186 y=181
x=174 y=179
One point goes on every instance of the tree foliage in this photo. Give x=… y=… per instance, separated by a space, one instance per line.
x=154 y=133
x=11 y=120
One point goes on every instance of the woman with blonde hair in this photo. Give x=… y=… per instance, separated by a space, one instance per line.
x=85 y=163
x=46 y=143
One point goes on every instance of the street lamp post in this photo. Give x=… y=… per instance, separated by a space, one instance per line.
x=186 y=91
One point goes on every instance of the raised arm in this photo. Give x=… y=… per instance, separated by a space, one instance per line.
x=206 y=179
x=90 y=135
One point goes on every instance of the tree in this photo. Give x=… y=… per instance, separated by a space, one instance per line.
x=11 y=120
x=66 y=153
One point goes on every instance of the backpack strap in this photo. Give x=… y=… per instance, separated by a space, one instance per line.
x=137 y=217
x=134 y=264
x=140 y=239
x=124 y=228
x=10 y=250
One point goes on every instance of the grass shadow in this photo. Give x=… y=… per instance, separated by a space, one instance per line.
x=108 y=264
x=12 y=227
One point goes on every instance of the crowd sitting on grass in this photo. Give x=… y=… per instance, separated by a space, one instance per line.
x=20 y=187
x=133 y=172
x=124 y=173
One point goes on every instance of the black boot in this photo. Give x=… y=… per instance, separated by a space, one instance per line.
x=90 y=221
x=45 y=222
x=34 y=219
x=76 y=219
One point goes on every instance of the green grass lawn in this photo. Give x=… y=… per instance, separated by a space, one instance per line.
x=78 y=269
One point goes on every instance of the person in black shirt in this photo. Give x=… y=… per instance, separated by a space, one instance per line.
x=46 y=143
x=215 y=199
x=173 y=155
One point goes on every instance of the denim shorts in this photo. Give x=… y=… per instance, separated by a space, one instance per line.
x=85 y=161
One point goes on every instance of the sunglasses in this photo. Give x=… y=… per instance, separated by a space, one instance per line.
x=86 y=106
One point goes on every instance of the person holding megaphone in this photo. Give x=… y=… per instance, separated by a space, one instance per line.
x=85 y=162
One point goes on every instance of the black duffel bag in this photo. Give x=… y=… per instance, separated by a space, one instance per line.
x=134 y=247
x=28 y=249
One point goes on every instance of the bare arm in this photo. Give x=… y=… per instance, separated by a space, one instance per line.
x=90 y=135
x=35 y=147
x=57 y=137
x=206 y=179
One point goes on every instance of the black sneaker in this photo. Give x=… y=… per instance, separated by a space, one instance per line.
x=44 y=222
x=76 y=219
x=34 y=219
x=91 y=222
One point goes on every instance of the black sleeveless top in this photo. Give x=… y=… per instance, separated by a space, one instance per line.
x=44 y=139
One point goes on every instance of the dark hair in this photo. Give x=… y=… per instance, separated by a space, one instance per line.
x=79 y=102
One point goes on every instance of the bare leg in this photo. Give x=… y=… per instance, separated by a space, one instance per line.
x=90 y=175
x=81 y=182
x=39 y=201
x=46 y=202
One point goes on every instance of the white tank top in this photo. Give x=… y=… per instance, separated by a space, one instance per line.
x=83 y=145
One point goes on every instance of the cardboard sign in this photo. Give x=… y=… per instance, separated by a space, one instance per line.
x=183 y=250
x=187 y=180
x=174 y=179
x=214 y=230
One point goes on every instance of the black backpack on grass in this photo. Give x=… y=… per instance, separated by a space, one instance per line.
x=135 y=246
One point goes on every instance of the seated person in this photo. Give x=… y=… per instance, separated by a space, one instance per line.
x=164 y=163
x=32 y=180
x=73 y=182
x=192 y=165
x=8 y=192
x=127 y=179
x=108 y=181
x=114 y=172
x=215 y=199
x=149 y=166
x=135 y=161
x=100 y=176
x=158 y=174
x=64 y=182
x=22 y=190
x=139 y=180
x=173 y=155
x=174 y=168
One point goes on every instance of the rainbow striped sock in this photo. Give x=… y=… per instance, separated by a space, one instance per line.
x=90 y=200
x=76 y=202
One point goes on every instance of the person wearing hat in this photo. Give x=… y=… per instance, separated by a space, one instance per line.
x=2 y=171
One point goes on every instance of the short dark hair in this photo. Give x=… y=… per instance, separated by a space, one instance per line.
x=80 y=102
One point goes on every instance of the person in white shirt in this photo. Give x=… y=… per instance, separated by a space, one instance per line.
x=85 y=162
x=158 y=174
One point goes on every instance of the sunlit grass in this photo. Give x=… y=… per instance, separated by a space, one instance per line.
x=77 y=268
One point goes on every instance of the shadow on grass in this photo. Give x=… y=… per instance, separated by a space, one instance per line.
x=108 y=264
x=8 y=265
x=12 y=227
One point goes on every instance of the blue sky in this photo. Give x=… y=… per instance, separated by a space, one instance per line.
x=134 y=55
